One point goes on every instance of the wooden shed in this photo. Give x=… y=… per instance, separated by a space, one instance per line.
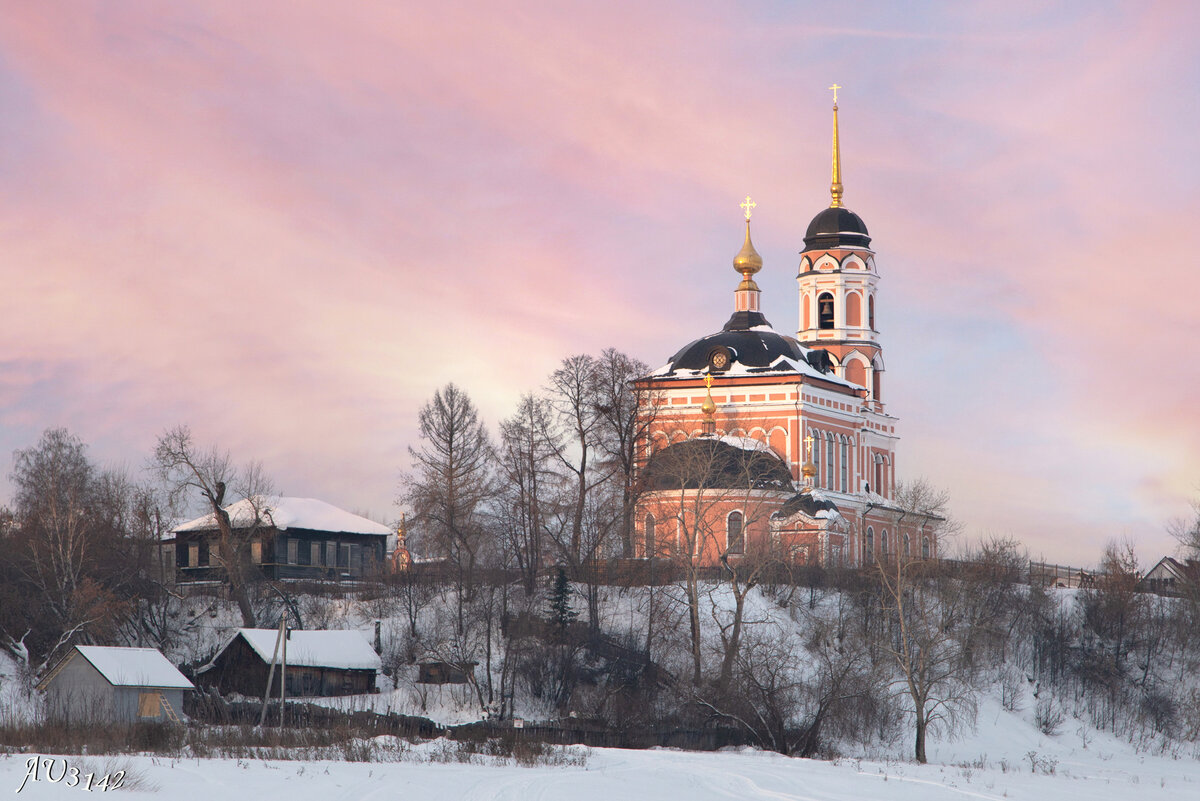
x=319 y=663
x=98 y=684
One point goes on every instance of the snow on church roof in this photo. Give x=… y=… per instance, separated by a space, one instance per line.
x=348 y=650
x=134 y=667
x=285 y=513
x=756 y=351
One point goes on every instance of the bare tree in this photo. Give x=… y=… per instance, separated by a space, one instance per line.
x=572 y=396
x=527 y=456
x=627 y=414
x=188 y=469
x=927 y=642
x=451 y=483
x=694 y=485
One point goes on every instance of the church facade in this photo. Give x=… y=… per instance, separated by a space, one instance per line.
x=760 y=443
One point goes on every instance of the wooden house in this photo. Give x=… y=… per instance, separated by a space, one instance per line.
x=98 y=684
x=283 y=538
x=319 y=663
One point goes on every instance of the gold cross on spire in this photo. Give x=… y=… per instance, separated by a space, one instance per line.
x=748 y=206
x=808 y=441
x=835 y=87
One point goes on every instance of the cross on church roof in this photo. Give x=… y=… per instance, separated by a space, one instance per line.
x=835 y=87
x=748 y=206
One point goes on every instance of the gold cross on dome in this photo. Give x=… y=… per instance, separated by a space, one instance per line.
x=835 y=87
x=748 y=206
x=708 y=380
x=808 y=441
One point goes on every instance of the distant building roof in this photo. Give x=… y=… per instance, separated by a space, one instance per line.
x=134 y=667
x=284 y=513
x=346 y=650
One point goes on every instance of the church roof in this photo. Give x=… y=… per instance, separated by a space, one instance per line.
x=836 y=227
x=717 y=463
x=811 y=502
x=752 y=350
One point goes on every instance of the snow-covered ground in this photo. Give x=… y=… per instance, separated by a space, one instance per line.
x=1104 y=770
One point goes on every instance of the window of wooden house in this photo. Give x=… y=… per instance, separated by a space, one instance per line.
x=149 y=705
x=256 y=551
x=203 y=559
x=315 y=549
x=193 y=554
x=293 y=551
x=735 y=535
x=343 y=555
x=331 y=554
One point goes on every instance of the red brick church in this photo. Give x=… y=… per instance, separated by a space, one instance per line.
x=761 y=443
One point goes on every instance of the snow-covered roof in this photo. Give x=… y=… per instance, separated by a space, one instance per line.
x=134 y=667
x=285 y=513
x=348 y=650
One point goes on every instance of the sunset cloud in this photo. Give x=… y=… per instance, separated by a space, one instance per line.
x=288 y=223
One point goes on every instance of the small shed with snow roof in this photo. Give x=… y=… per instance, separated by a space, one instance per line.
x=319 y=663
x=99 y=684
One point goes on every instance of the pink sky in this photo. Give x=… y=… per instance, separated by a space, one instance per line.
x=287 y=223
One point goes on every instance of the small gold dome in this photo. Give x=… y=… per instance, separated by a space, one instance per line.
x=747 y=262
x=809 y=470
x=708 y=407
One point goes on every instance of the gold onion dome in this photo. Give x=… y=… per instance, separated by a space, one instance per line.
x=709 y=407
x=747 y=262
x=809 y=470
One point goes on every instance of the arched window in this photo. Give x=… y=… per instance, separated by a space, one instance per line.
x=883 y=545
x=735 y=536
x=825 y=310
x=871 y=312
x=877 y=485
x=925 y=548
x=854 y=309
x=806 y=302
x=649 y=536
x=829 y=448
x=877 y=385
x=845 y=464
x=815 y=455
x=869 y=547
x=907 y=546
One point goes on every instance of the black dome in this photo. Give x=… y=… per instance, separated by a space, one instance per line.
x=836 y=227
x=712 y=463
x=749 y=348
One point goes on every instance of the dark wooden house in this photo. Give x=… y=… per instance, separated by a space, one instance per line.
x=319 y=663
x=283 y=538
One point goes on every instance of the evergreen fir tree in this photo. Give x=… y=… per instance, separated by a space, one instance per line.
x=560 y=611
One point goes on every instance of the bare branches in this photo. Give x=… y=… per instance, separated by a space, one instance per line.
x=187 y=469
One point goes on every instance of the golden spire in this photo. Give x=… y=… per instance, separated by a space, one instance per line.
x=835 y=188
x=747 y=262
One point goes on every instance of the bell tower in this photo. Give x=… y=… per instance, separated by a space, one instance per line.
x=837 y=281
